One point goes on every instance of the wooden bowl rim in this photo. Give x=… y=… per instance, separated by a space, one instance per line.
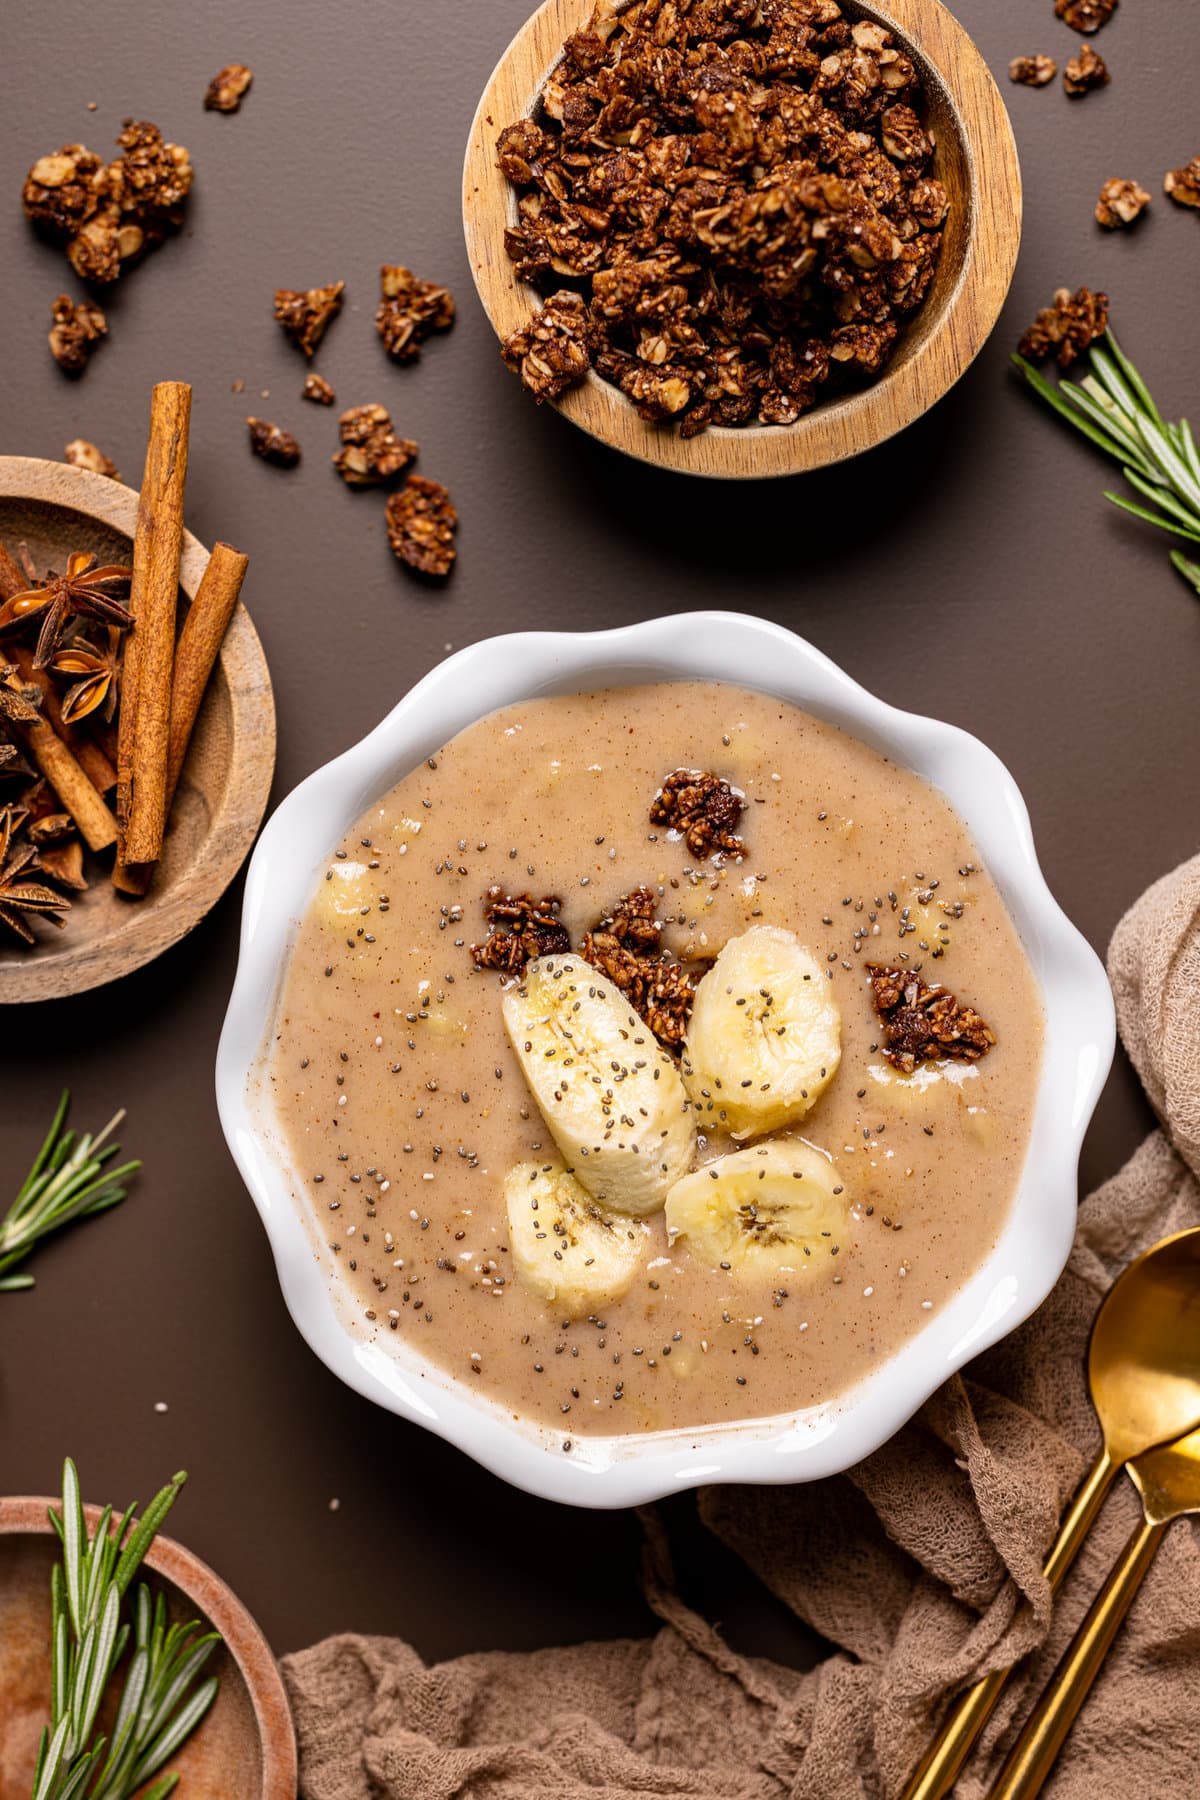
x=162 y=919
x=27 y=1514
x=838 y=428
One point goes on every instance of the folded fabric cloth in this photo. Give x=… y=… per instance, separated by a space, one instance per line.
x=923 y=1564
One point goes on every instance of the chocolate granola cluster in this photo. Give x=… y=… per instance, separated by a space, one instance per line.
x=729 y=204
x=109 y=213
x=627 y=947
x=922 y=1022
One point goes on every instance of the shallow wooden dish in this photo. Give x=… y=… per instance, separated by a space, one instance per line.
x=245 y=1747
x=223 y=791
x=976 y=159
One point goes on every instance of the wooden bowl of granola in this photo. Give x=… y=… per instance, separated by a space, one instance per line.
x=246 y=1746
x=681 y=342
x=52 y=509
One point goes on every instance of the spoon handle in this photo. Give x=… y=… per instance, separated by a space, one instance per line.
x=943 y=1762
x=1032 y=1756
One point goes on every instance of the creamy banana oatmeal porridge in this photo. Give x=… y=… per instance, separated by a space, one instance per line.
x=653 y=1058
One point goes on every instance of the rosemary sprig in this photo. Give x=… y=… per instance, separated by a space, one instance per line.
x=161 y=1701
x=69 y=1180
x=1159 y=459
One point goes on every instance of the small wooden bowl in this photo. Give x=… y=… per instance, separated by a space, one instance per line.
x=976 y=160
x=245 y=1747
x=223 y=791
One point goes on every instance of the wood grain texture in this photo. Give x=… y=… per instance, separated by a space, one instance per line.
x=245 y=1747
x=976 y=159
x=223 y=790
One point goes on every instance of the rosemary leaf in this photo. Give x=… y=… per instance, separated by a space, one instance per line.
x=71 y=1179
x=1159 y=458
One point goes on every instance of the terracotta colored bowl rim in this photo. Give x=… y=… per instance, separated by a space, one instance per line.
x=225 y=1612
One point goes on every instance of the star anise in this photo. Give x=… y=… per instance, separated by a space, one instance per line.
x=17 y=702
x=84 y=592
x=101 y=676
x=19 y=894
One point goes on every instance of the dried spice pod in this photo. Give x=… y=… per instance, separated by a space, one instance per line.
x=421 y=522
x=273 y=443
x=306 y=313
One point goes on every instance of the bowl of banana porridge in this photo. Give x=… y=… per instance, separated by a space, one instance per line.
x=657 y=1060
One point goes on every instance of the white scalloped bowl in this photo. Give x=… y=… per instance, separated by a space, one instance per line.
x=1033 y=1248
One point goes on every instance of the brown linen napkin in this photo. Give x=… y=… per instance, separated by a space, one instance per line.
x=923 y=1564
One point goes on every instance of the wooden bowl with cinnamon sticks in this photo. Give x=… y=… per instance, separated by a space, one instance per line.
x=137 y=723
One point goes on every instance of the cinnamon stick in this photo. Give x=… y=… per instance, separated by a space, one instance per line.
x=145 y=716
x=195 y=655
x=97 y=826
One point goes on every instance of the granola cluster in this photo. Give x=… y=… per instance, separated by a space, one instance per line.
x=227 y=88
x=77 y=329
x=1183 y=185
x=273 y=443
x=306 y=313
x=729 y=204
x=421 y=522
x=371 y=453
x=1085 y=15
x=1085 y=71
x=109 y=213
x=1065 y=329
x=921 y=1023
x=704 y=809
x=1121 y=202
x=318 y=390
x=409 y=311
x=81 y=453
x=519 y=928
x=1032 y=71
x=627 y=947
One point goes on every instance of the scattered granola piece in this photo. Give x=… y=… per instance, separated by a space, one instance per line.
x=84 y=455
x=1085 y=15
x=1120 y=203
x=704 y=809
x=1085 y=71
x=1032 y=71
x=225 y=91
x=421 y=522
x=921 y=1023
x=371 y=453
x=1066 y=328
x=305 y=313
x=627 y=947
x=78 y=327
x=519 y=928
x=273 y=443
x=553 y=351
x=723 y=186
x=410 y=310
x=1183 y=185
x=109 y=213
x=316 y=388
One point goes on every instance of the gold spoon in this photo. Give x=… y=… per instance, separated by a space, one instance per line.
x=1144 y=1378
x=1168 y=1480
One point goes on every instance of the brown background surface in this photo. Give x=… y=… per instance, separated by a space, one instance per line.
x=970 y=569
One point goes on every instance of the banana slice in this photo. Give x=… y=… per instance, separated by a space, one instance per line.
x=612 y=1099
x=761 y=1211
x=765 y=1034
x=565 y=1247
